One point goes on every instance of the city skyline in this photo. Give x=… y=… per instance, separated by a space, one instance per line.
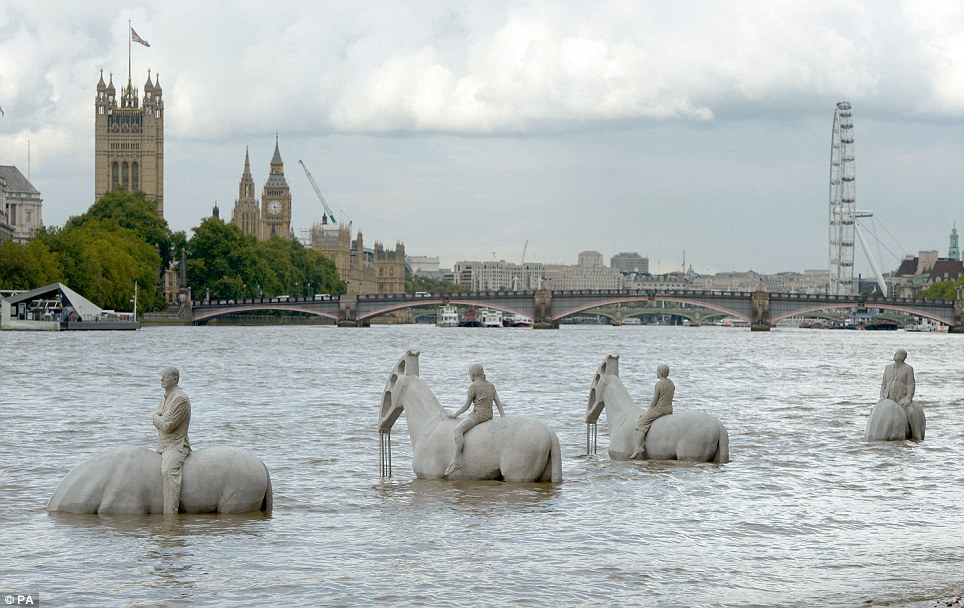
x=466 y=131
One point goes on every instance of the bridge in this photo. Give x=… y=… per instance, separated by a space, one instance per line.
x=761 y=309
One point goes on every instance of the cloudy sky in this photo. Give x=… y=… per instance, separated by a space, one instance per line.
x=467 y=129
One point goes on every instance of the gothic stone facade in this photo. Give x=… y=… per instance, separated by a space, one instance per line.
x=365 y=271
x=273 y=216
x=129 y=140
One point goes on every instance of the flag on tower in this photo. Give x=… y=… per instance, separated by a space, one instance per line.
x=1 y=111
x=138 y=39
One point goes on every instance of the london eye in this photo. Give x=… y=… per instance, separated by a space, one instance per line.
x=843 y=198
x=843 y=228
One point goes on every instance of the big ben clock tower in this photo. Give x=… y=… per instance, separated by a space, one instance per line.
x=276 y=200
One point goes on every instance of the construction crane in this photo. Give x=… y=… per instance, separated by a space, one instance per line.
x=328 y=214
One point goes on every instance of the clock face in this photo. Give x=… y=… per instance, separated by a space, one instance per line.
x=274 y=207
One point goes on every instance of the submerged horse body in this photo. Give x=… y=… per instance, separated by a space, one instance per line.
x=127 y=480
x=513 y=448
x=689 y=436
x=889 y=421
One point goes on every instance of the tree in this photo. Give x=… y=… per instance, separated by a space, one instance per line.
x=223 y=262
x=133 y=211
x=102 y=260
x=942 y=290
x=28 y=266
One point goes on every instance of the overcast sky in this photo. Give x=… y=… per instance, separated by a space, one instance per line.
x=467 y=129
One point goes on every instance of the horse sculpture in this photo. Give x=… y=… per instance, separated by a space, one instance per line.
x=513 y=448
x=127 y=480
x=690 y=436
x=889 y=421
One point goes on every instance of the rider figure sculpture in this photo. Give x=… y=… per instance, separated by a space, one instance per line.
x=172 y=419
x=481 y=394
x=661 y=405
x=898 y=382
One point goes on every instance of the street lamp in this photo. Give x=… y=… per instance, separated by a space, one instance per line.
x=244 y=290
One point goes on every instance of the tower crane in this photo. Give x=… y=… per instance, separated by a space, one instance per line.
x=328 y=214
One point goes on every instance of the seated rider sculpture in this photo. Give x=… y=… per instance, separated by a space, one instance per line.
x=661 y=405
x=898 y=383
x=482 y=394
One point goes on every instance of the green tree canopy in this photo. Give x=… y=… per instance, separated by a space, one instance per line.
x=942 y=290
x=223 y=262
x=28 y=266
x=102 y=260
x=133 y=211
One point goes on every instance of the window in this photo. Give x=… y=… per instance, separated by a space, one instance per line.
x=114 y=175
x=125 y=175
x=137 y=176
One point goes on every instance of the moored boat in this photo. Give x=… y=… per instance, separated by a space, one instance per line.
x=448 y=316
x=491 y=318
x=516 y=320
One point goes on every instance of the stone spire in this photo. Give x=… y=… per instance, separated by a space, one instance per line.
x=954 y=250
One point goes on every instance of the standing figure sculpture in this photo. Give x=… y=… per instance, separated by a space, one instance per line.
x=481 y=394
x=172 y=418
x=661 y=405
x=896 y=416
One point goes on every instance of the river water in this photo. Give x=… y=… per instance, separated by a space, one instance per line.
x=806 y=513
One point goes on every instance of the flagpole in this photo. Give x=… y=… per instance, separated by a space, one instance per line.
x=129 y=30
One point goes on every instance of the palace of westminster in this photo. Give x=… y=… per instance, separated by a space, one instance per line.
x=129 y=153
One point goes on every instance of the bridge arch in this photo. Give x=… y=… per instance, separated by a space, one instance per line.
x=725 y=310
x=435 y=301
x=774 y=318
x=205 y=314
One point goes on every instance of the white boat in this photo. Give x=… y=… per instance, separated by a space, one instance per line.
x=490 y=318
x=447 y=316
x=926 y=325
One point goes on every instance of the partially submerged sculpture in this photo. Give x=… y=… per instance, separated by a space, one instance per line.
x=135 y=480
x=689 y=436
x=896 y=416
x=511 y=448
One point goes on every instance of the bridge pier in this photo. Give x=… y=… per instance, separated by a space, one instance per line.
x=761 y=311
x=543 y=305
x=958 y=327
x=348 y=307
x=186 y=311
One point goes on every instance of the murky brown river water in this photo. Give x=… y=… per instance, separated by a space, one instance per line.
x=805 y=514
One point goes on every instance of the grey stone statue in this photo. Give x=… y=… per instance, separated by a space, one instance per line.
x=136 y=480
x=661 y=405
x=481 y=394
x=654 y=433
x=896 y=416
x=507 y=448
x=172 y=419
